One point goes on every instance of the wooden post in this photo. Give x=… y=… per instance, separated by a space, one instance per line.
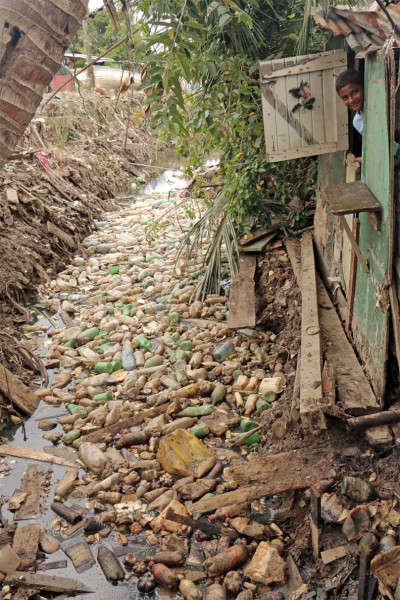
x=311 y=414
x=353 y=274
x=315 y=520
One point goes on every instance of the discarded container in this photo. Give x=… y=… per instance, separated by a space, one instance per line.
x=109 y=564
x=89 y=334
x=215 y=592
x=228 y=560
x=224 y=351
x=146 y=583
x=189 y=590
x=233 y=582
x=94 y=459
x=226 y=512
x=181 y=453
x=164 y=575
x=219 y=394
x=357 y=489
x=388 y=541
x=143 y=343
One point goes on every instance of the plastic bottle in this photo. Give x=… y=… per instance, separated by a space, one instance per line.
x=143 y=343
x=90 y=334
x=219 y=393
x=226 y=512
x=223 y=351
x=103 y=398
x=164 y=575
x=388 y=541
x=228 y=560
x=215 y=592
x=128 y=359
x=189 y=590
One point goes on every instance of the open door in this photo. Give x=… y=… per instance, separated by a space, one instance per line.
x=303 y=115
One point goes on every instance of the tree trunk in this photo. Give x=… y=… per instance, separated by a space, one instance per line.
x=33 y=38
x=88 y=46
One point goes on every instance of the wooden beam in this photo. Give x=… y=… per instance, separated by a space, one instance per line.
x=353 y=243
x=31 y=454
x=311 y=399
x=353 y=275
x=17 y=392
x=353 y=388
x=46 y=582
x=394 y=306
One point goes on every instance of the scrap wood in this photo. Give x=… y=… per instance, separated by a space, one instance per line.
x=242 y=307
x=31 y=454
x=267 y=475
x=353 y=389
x=260 y=244
x=311 y=414
x=374 y=420
x=256 y=235
x=17 y=392
x=194 y=523
x=333 y=554
x=62 y=235
x=49 y=583
x=296 y=585
x=34 y=483
x=101 y=434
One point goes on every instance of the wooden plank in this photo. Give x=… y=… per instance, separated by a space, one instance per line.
x=350 y=198
x=62 y=235
x=251 y=237
x=31 y=454
x=260 y=244
x=353 y=389
x=311 y=398
x=49 y=583
x=17 y=392
x=26 y=542
x=394 y=306
x=306 y=150
x=354 y=243
x=333 y=554
x=242 y=307
x=269 y=474
x=351 y=289
x=33 y=484
x=315 y=521
x=307 y=64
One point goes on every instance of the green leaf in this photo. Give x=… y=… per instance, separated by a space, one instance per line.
x=224 y=19
x=185 y=64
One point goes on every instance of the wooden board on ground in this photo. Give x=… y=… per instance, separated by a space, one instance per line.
x=17 y=392
x=242 y=308
x=31 y=454
x=269 y=474
x=46 y=582
x=311 y=415
x=61 y=234
x=35 y=481
x=26 y=541
x=353 y=389
x=260 y=244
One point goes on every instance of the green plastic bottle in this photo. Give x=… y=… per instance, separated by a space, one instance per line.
x=113 y=270
x=127 y=309
x=90 y=334
x=186 y=346
x=143 y=343
x=103 y=398
x=174 y=317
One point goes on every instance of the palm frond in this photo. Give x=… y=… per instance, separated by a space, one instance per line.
x=215 y=229
x=112 y=11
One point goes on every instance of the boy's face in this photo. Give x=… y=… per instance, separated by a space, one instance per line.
x=353 y=96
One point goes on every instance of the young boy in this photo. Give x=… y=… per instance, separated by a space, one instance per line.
x=350 y=87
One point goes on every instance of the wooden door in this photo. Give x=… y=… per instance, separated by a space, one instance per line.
x=303 y=115
x=371 y=306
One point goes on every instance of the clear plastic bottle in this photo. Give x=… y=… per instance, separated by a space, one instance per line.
x=128 y=359
x=224 y=351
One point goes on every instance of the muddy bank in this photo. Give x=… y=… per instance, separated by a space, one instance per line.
x=78 y=154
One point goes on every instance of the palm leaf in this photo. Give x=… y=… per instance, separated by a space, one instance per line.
x=112 y=11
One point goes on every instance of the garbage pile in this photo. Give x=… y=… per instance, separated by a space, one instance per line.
x=158 y=414
x=76 y=156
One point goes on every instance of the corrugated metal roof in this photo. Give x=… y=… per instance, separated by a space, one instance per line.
x=365 y=31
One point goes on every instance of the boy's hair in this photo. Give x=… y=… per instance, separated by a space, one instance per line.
x=347 y=77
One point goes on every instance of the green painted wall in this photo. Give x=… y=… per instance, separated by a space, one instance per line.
x=370 y=322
